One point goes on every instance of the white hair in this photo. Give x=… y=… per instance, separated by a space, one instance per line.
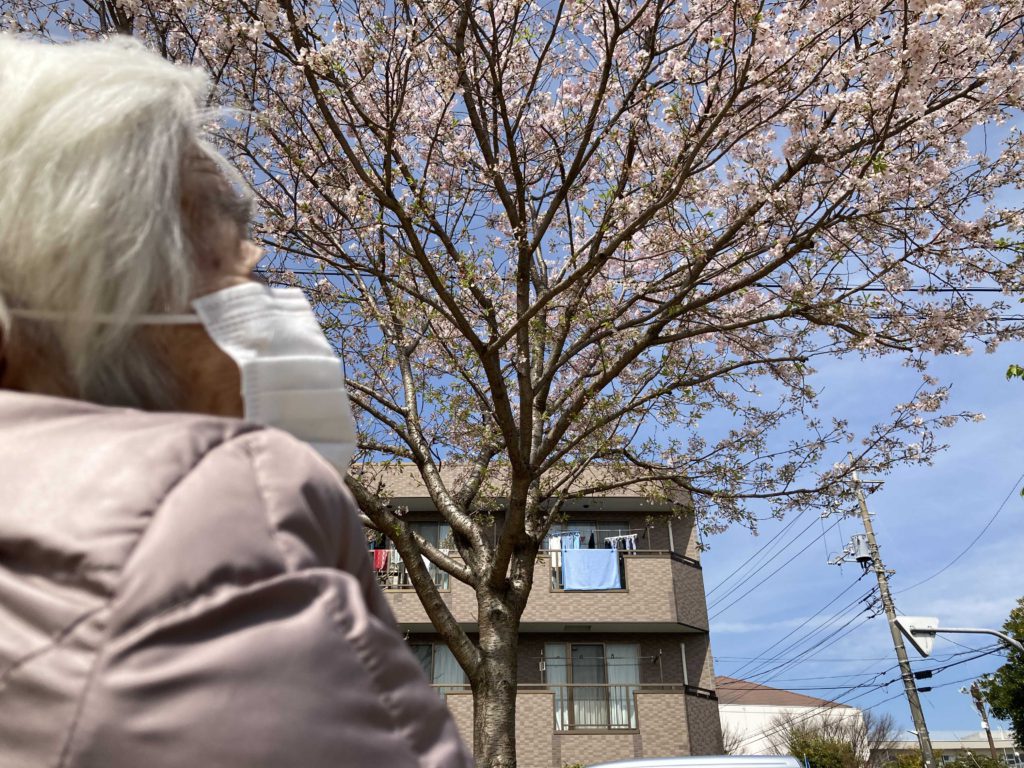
x=93 y=142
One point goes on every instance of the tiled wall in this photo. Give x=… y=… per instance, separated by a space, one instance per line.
x=658 y=589
x=663 y=718
x=704 y=726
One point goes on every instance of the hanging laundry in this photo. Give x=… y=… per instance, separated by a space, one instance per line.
x=626 y=542
x=592 y=543
x=590 y=569
x=555 y=547
x=380 y=559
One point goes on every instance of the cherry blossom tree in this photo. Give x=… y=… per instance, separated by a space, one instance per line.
x=564 y=235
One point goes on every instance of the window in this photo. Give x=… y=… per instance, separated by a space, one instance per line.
x=593 y=684
x=440 y=666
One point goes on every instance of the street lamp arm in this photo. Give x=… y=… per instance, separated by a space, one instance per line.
x=973 y=631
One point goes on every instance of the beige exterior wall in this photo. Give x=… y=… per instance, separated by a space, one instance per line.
x=663 y=718
x=658 y=589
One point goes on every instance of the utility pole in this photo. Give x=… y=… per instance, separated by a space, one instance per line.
x=909 y=685
x=979 y=704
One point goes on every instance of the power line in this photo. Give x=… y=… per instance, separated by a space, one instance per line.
x=840 y=701
x=772 y=664
x=867 y=688
x=974 y=541
x=763 y=550
x=773 y=573
x=806 y=621
x=838 y=658
x=821 y=643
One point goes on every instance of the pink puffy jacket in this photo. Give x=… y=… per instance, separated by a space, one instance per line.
x=182 y=590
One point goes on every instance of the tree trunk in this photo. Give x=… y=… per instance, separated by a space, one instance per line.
x=494 y=685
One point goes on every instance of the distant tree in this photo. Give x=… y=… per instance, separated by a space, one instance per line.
x=732 y=740
x=877 y=737
x=971 y=760
x=1004 y=690
x=818 y=751
x=835 y=738
x=905 y=760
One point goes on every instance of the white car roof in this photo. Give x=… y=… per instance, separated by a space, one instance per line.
x=707 y=761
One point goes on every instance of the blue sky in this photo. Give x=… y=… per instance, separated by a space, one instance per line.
x=923 y=517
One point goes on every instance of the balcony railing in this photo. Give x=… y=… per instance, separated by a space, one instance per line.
x=392 y=573
x=594 y=706
x=557 y=576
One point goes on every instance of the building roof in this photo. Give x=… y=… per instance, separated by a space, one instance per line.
x=744 y=692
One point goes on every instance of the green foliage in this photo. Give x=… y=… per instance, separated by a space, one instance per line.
x=975 y=761
x=1014 y=372
x=905 y=760
x=1004 y=691
x=820 y=751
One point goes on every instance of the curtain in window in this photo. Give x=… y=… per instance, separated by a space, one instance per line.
x=623 y=678
x=424 y=654
x=447 y=672
x=556 y=674
x=589 y=693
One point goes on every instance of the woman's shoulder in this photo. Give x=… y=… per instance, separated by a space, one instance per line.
x=159 y=507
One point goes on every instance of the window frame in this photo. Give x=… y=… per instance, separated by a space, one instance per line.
x=570 y=685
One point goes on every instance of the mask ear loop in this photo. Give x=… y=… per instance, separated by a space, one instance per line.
x=54 y=315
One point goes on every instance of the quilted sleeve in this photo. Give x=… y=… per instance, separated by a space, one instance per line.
x=233 y=641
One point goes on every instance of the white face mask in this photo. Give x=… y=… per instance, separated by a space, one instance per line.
x=291 y=377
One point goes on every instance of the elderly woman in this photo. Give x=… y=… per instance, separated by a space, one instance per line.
x=179 y=586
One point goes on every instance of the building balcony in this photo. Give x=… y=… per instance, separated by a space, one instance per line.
x=559 y=724
x=656 y=589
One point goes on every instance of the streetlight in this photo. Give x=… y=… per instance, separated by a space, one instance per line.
x=921 y=631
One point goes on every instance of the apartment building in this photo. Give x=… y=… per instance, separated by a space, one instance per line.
x=614 y=653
